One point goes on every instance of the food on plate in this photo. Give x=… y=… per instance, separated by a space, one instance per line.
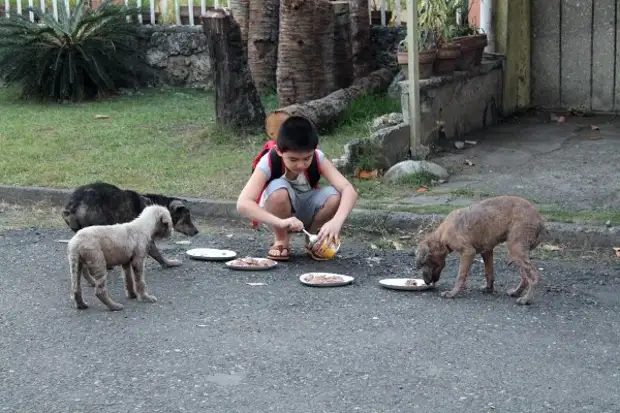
x=252 y=262
x=323 y=279
x=411 y=283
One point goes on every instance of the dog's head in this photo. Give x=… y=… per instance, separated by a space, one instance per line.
x=431 y=258
x=181 y=218
x=163 y=227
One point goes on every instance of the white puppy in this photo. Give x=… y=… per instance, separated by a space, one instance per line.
x=94 y=249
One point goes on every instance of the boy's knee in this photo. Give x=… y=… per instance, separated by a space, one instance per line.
x=278 y=199
x=332 y=203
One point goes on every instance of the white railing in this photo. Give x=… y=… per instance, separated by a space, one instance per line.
x=187 y=12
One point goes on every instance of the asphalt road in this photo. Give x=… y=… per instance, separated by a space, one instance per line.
x=212 y=343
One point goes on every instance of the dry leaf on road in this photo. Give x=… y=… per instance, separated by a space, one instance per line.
x=397 y=245
x=468 y=162
x=617 y=251
x=422 y=189
x=253 y=284
x=102 y=117
x=594 y=127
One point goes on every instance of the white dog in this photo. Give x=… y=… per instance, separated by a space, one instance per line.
x=94 y=249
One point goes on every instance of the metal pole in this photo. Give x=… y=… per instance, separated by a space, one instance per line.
x=415 y=128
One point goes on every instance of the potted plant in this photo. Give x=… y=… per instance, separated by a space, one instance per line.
x=434 y=16
x=467 y=35
x=427 y=53
x=375 y=14
x=369 y=160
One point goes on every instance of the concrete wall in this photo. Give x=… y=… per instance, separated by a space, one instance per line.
x=452 y=106
x=179 y=56
x=575 y=55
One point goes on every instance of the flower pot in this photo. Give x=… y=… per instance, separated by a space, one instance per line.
x=482 y=43
x=375 y=17
x=447 y=56
x=426 y=61
x=364 y=174
x=469 y=47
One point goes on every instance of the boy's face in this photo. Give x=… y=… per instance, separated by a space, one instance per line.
x=297 y=162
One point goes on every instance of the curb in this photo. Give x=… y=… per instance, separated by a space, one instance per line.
x=367 y=220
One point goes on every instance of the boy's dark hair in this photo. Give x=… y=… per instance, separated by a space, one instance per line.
x=297 y=134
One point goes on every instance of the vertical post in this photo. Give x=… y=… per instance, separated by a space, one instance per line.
x=413 y=67
x=486 y=24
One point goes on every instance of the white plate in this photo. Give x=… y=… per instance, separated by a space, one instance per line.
x=211 y=254
x=234 y=264
x=400 y=284
x=345 y=279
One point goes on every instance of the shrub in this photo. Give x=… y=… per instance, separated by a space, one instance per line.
x=90 y=53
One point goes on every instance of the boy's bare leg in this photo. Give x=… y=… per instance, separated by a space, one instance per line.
x=279 y=204
x=327 y=212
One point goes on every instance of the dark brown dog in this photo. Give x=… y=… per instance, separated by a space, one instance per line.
x=478 y=229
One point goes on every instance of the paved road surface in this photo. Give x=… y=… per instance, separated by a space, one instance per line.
x=212 y=343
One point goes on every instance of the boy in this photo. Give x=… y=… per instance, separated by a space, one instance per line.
x=291 y=199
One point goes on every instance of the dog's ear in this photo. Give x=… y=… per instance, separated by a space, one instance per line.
x=176 y=205
x=421 y=257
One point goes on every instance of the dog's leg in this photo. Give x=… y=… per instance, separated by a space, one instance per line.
x=466 y=259
x=487 y=257
x=86 y=275
x=138 y=271
x=76 y=289
x=130 y=290
x=156 y=255
x=518 y=290
x=101 y=292
x=520 y=256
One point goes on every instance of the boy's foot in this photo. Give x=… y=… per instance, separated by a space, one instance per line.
x=279 y=252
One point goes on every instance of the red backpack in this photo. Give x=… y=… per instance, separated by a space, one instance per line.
x=276 y=165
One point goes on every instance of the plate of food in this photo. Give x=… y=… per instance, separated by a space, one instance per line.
x=211 y=254
x=251 y=264
x=325 y=279
x=409 y=284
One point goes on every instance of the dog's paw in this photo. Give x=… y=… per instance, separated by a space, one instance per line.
x=448 y=294
x=115 y=307
x=131 y=295
x=81 y=306
x=524 y=301
x=487 y=290
x=147 y=298
x=515 y=292
x=172 y=263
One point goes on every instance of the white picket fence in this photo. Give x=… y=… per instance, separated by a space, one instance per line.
x=187 y=14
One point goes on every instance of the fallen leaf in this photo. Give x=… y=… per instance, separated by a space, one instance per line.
x=468 y=162
x=550 y=247
x=422 y=189
x=254 y=284
x=617 y=251
x=403 y=237
x=594 y=127
x=471 y=142
x=184 y=242
x=102 y=117
x=594 y=138
x=397 y=245
x=374 y=247
x=562 y=119
x=229 y=236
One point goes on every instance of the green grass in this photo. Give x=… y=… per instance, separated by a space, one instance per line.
x=156 y=140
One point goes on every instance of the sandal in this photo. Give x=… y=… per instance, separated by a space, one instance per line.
x=281 y=256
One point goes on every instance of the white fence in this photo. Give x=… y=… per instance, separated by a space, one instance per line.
x=187 y=12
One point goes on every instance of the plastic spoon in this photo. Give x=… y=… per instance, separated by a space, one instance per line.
x=313 y=238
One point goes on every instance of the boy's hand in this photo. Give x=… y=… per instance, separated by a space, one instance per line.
x=291 y=224
x=329 y=232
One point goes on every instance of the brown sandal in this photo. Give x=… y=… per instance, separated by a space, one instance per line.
x=280 y=248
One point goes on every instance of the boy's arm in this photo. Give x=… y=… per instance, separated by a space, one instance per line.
x=246 y=203
x=348 y=194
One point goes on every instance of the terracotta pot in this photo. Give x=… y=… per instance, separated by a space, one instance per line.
x=482 y=43
x=426 y=62
x=469 y=46
x=447 y=56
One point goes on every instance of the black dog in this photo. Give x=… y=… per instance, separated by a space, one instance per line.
x=101 y=203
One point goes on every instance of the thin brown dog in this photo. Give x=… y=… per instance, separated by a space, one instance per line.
x=478 y=229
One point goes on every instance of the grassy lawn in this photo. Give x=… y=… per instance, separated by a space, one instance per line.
x=157 y=140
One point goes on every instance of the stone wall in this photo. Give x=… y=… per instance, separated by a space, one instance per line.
x=179 y=56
